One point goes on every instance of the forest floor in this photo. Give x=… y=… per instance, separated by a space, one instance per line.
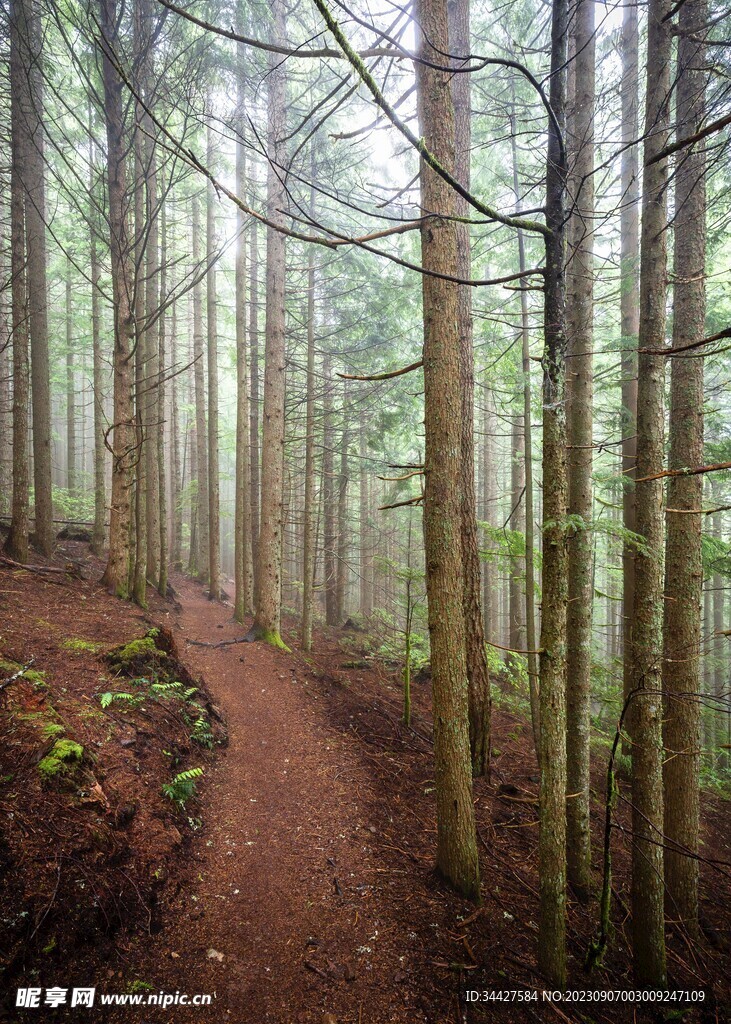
x=297 y=887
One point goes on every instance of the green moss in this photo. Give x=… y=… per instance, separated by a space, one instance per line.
x=91 y=714
x=9 y=668
x=41 y=719
x=79 y=644
x=61 y=761
x=139 y=986
x=272 y=637
x=53 y=730
x=141 y=649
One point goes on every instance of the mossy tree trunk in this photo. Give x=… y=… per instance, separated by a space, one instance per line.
x=648 y=924
x=683 y=562
x=579 y=429
x=629 y=315
x=457 y=858
x=477 y=675
x=17 y=543
x=214 y=519
x=123 y=431
x=268 y=612
x=552 y=825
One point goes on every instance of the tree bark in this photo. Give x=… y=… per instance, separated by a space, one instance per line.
x=516 y=594
x=579 y=429
x=214 y=519
x=201 y=433
x=32 y=173
x=683 y=562
x=552 y=826
x=176 y=466
x=308 y=560
x=71 y=476
x=531 y=637
x=242 y=513
x=160 y=406
x=490 y=590
x=123 y=430
x=100 y=501
x=477 y=675
x=152 y=420
x=328 y=492
x=457 y=858
x=17 y=543
x=630 y=316
x=254 y=405
x=342 y=547
x=268 y=612
x=365 y=534
x=648 y=926
x=6 y=341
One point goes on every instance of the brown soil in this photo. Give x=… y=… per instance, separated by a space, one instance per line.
x=309 y=891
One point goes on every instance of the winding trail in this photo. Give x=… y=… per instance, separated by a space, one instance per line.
x=288 y=885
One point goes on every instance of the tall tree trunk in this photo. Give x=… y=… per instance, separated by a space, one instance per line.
x=139 y=536
x=201 y=434
x=254 y=406
x=176 y=468
x=516 y=595
x=32 y=173
x=720 y=684
x=531 y=636
x=193 y=444
x=268 y=612
x=123 y=431
x=71 y=477
x=100 y=501
x=214 y=519
x=308 y=571
x=17 y=543
x=138 y=572
x=341 y=571
x=648 y=926
x=152 y=420
x=328 y=492
x=630 y=315
x=579 y=429
x=552 y=826
x=683 y=562
x=457 y=858
x=477 y=675
x=160 y=393
x=490 y=589
x=6 y=341
x=365 y=536
x=242 y=512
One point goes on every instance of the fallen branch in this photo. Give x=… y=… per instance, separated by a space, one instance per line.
x=69 y=569
x=17 y=675
x=220 y=643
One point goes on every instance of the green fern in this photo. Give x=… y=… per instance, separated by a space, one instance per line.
x=182 y=788
x=201 y=733
x=107 y=699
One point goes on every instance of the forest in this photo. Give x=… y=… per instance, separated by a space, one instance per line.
x=365 y=510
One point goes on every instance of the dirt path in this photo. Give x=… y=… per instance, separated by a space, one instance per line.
x=289 y=887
